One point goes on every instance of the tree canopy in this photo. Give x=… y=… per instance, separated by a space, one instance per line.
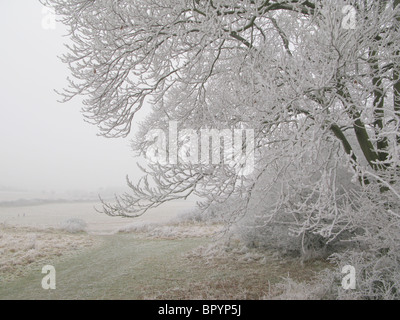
x=316 y=82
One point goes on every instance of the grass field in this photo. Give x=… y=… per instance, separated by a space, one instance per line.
x=139 y=265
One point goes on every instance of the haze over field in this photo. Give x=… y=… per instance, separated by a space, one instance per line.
x=53 y=215
x=46 y=147
x=282 y=117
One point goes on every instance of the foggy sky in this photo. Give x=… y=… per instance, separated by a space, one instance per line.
x=46 y=145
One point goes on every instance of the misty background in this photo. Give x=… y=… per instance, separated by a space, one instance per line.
x=47 y=148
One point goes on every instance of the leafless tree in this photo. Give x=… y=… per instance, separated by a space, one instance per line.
x=317 y=81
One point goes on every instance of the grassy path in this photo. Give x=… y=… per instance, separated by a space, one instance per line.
x=123 y=267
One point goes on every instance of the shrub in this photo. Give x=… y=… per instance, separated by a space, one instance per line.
x=74 y=225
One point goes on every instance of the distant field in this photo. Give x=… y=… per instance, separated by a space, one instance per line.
x=53 y=214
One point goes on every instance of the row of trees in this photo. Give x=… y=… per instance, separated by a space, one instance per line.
x=323 y=100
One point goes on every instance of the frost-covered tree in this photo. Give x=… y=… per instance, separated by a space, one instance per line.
x=317 y=81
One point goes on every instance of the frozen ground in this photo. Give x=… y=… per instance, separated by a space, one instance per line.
x=157 y=256
x=138 y=266
x=22 y=248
